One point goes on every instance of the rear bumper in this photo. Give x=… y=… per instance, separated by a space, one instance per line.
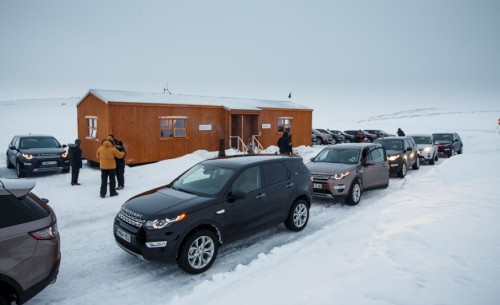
x=26 y=295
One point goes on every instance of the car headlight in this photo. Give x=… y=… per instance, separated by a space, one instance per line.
x=340 y=175
x=27 y=156
x=427 y=149
x=64 y=154
x=393 y=158
x=162 y=223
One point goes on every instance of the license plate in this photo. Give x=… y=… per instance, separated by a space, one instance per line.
x=317 y=185
x=49 y=163
x=122 y=234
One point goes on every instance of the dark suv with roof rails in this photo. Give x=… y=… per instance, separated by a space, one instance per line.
x=402 y=152
x=448 y=143
x=36 y=153
x=29 y=242
x=214 y=202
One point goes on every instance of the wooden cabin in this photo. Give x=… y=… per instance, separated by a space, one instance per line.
x=155 y=126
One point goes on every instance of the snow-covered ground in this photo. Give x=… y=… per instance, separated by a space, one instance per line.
x=431 y=238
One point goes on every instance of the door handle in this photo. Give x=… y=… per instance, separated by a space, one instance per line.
x=219 y=212
x=289 y=185
x=261 y=196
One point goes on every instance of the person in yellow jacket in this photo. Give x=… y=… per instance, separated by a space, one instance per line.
x=106 y=154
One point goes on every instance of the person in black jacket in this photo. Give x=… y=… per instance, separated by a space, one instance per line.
x=284 y=144
x=120 y=166
x=401 y=132
x=75 y=161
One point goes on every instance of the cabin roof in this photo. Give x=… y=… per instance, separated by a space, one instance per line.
x=110 y=96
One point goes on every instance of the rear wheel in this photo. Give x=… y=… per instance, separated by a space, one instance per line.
x=334 y=141
x=19 y=170
x=461 y=150
x=347 y=141
x=198 y=252
x=354 y=194
x=452 y=152
x=402 y=171
x=4 y=299
x=298 y=216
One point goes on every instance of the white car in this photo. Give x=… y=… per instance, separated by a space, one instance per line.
x=428 y=150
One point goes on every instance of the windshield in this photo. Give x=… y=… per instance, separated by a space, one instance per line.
x=391 y=144
x=39 y=142
x=346 y=156
x=422 y=140
x=443 y=137
x=203 y=180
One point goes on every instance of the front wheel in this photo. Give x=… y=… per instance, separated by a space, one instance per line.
x=198 y=252
x=4 y=299
x=461 y=150
x=298 y=216
x=334 y=141
x=416 y=165
x=355 y=194
x=19 y=170
x=7 y=162
x=402 y=171
x=452 y=152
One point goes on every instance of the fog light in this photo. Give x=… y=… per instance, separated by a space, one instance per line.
x=156 y=244
x=339 y=187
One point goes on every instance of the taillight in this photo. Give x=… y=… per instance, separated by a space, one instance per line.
x=46 y=233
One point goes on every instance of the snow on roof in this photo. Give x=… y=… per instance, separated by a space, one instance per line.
x=109 y=96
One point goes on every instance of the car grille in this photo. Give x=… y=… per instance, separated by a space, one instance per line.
x=131 y=218
x=320 y=176
x=47 y=156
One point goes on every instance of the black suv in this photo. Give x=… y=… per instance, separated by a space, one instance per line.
x=215 y=201
x=29 y=242
x=336 y=138
x=347 y=137
x=448 y=143
x=36 y=153
x=402 y=152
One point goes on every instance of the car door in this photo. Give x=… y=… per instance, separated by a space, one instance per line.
x=12 y=153
x=279 y=191
x=377 y=173
x=244 y=216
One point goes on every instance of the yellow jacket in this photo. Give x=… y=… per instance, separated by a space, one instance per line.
x=106 y=154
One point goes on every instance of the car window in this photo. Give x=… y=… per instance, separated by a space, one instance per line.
x=296 y=166
x=275 y=173
x=14 y=211
x=39 y=142
x=203 y=179
x=249 y=180
x=347 y=156
x=377 y=155
x=423 y=140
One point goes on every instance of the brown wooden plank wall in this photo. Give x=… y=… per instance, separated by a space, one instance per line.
x=301 y=126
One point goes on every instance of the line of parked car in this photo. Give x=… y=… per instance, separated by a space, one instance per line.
x=214 y=202
x=321 y=136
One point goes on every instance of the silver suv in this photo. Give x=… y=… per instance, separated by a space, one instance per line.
x=428 y=151
x=344 y=171
x=29 y=242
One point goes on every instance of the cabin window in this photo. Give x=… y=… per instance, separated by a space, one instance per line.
x=91 y=127
x=173 y=127
x=284 y=124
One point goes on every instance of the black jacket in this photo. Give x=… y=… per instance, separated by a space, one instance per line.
x=285 y=145
x=75 y=156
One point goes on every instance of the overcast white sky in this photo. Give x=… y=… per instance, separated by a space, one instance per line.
x=318 y=50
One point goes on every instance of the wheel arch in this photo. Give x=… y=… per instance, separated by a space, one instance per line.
x=196 y=228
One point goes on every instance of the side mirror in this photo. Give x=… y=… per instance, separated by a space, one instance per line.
x=45 y=200
x=312 y=159
x=12 y=147
x=233 y=196
x=369 y=162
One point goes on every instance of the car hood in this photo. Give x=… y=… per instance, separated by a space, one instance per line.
x=165 y=201
x=391 y=152
x=42 y=150
x=329 y=168
x=423 y=146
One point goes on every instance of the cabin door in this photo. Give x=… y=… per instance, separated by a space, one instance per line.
x=243 y=127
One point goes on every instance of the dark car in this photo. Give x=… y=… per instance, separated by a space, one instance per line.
x=347 y=137
x=214 y=202
x=336 y=138
x=323 y=138
x=379 y=133
x=314 y=138
x=448 y=143
x=344 y=171
x=29 y=242
x=402 y=152
x=367 y=135
x=36 y=153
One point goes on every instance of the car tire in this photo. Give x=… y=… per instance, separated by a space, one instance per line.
x=433 y=160
x=4 y=299
x=7 y=162
x=19 y=170
x=298 y=216
x=333 y=141
x=347 y=141
x=198 y=252
x=355 y=192
x=416 y=165
x=452 y=152
x=461 y=150
x=402 y=170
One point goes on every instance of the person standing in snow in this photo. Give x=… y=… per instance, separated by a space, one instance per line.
x=401 y=132
x=106 y=154
x=75 y=161
x=285 y=144
x=120 y=166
